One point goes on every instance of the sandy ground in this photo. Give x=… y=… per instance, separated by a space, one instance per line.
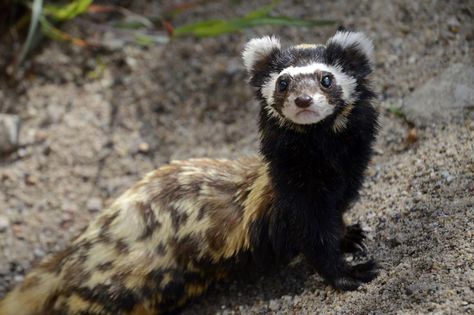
x=86 y=138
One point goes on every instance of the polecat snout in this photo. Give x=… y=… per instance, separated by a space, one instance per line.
x=190 y=223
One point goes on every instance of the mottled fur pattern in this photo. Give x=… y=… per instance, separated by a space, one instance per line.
x=191 y=223
x=156 y=246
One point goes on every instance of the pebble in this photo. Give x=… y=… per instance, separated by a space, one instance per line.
x=274 y=305
x=4 y=224
x=453 y=25
x=38 y=252
x=143 y=148
x=94 y=204
x=31 y=179
x=9 y=132
x=287 y=298
x=18 y=278
x=447 y=176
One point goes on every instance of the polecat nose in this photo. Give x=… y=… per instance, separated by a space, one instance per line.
x=303 y=101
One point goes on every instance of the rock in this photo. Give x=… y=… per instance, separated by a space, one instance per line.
x=143 y=148
x=4 y=224
x=453 y=25
x=38 y=252
x=94 y=204
x=9 y=132
x=274 y=305
x=447 y=96
x=18 y=278
x=447 y=176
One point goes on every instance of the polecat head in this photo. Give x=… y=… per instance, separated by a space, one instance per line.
x=307 y=84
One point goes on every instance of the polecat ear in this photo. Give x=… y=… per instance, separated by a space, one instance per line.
x=258 y=51
x=352 y=51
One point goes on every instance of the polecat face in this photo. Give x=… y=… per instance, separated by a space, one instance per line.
x=307 y=94
x=305 y=84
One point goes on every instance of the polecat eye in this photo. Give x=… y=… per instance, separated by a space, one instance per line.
x=282 y=85
x=326 y=81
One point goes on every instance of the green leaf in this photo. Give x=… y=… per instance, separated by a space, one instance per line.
x=99 y=70
x=263 y=11
x=56 y=34
x=218 y=27
x=255 y=18
x=68 y=11
x=50 y=31
x=397 y=111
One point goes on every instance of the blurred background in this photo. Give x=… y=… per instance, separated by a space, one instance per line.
x=94 y=94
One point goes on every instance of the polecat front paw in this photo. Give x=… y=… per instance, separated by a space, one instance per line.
x=356 y=275
x=353 y=241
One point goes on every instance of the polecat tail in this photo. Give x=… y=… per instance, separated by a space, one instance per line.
x=32 y=297
x=37 y=294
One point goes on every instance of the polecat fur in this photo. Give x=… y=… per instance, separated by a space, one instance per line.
x=190 y=223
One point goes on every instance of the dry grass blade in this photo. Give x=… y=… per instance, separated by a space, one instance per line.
x=35 y=18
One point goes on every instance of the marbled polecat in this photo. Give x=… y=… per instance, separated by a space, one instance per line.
x=189 y=223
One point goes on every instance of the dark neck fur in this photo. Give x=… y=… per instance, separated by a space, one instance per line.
x=309 y=159
x=316 y=174
x=290 y=149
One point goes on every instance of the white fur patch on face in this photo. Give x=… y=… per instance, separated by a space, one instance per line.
x=345 y=81
x=346 y=39
x=268 y=88
x=259 y=48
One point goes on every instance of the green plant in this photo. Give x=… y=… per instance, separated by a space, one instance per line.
x=41 y=14
x=258 y=17
x=45 y=18
x=397 y=111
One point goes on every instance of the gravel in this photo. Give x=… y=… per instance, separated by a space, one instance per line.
x=86 y=138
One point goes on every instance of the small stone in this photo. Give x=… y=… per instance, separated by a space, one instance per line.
x=453 y=25
x=18 y=231
x=18 y=278
x=412 y=136
x=9 y=132
x=41 y=136
x=131 y=62
x=31 y=180
x=447 y=176
x=287 y=298
x=143 y=148
x=22 y=152
x=4 y=224
x=94 y=204
x=38 y=252
x=412 y=59
x=274 y=305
